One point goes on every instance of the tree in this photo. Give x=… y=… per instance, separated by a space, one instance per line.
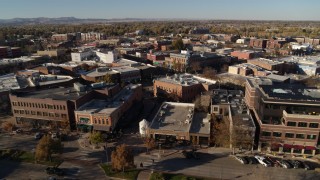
x=178 y=44
x=122 y=158
x=96 y=138
x=46 y=147
x=149 y=143
x=195 y=66
x=157 y=176
x=209 y=72
x=8 y=126
x=108 y=78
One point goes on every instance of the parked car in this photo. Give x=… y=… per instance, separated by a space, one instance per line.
x=242 y=160
x=38 y=135
x=262 y=161
x=284 y=164
x=54 y=170
x=297 y=164
x=252 y=160
x=306 y=165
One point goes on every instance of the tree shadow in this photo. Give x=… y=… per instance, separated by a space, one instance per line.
x=70 y=149
x=7 y=167
x=179 y=163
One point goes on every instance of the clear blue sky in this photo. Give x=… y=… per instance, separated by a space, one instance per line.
x=191 y=9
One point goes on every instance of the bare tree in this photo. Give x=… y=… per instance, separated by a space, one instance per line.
x=149 y=143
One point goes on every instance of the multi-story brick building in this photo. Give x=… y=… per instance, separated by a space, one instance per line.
x=185 y=86
x=49 y=106
x=244 y=55
x=258 y=43
x=10 y=52
x=275 y=44
x=288 y=115
x=103 y=115
x=268 y=64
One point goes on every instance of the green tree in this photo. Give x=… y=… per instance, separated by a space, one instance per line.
x=122 y=158
x=46 y=147
x=96 y=138
x=178 y=44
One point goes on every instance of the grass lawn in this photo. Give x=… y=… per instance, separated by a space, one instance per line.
x=130 y=174
x=24 y=156
x=169 y=176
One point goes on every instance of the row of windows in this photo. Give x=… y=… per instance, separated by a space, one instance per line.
x=288 y=135
x=100 y=121
x=39 y=105
x=39 y=113
x=303 y=124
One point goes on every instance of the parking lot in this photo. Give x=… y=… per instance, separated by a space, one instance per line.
x=216 y=163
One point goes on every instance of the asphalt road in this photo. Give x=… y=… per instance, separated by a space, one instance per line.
x=17 y=141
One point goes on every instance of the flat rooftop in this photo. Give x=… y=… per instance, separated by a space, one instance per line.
x=107 y=106
x=8 y=81
x=100 y=72
x=185 y=79
x=124 y=69
x=310 y=60
x=239 y=110
x=292 y=92
x=257 y=81
x=60 y=93
x=175 y=117
x=201 y=123
x=266 y=61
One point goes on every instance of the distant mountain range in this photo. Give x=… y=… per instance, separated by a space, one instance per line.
x=65 y=20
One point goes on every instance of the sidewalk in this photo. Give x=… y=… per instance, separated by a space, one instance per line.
x=84 y=143
x=144 y=175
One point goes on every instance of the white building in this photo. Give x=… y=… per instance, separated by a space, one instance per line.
x=81 y=55
x=107 y=57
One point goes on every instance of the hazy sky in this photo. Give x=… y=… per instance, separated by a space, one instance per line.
x=191 y=9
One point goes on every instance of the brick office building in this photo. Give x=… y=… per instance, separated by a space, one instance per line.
x=104 y=114
x=288 y=116
x=244 y=55
x=49 y=106
x=185 y=86
x=258 y=43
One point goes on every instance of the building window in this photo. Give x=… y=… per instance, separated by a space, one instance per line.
x=21 y=111
x=311 y=136
x=39 y=113
x=215 y=109
x=265 y=133
x=290 y=123
x=103 y=121
x=45 y=114
x=95 y=120
x=50 y=107
x=63 y=116
x=302 y=124
x=57 y=115
x=64 y=107
x=51 y=114
x=16 y=111
x=313 y=125
x=300 y=136
x=33 y=112
x=276 y=134
x=27 y=112
x=99 y=121
x=289 y=135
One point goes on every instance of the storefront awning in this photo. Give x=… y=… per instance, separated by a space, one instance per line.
x=310 y=148
x=287 y=146
x=298 y=147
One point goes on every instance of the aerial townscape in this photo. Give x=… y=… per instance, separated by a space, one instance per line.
x=142 y=90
